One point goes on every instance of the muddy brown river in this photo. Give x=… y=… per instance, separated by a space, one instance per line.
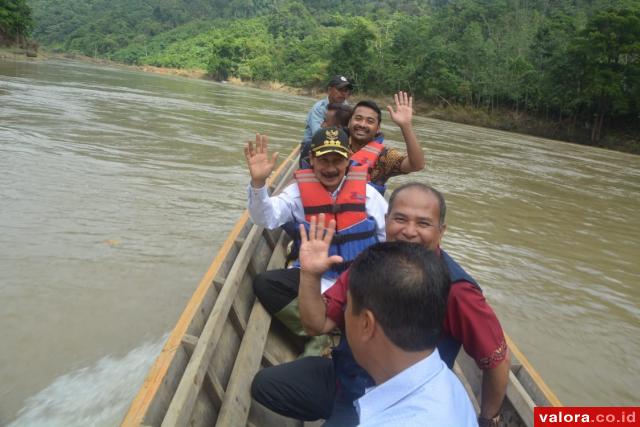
x=118 y=187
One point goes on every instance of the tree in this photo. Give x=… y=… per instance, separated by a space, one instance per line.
x=548 y=55
x=404 y=38
x=242 y=49
x=15 y=20
x=355 y=55
x=606 y=61
x=292 y=20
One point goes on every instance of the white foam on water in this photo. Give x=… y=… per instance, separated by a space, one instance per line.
x=96 y=396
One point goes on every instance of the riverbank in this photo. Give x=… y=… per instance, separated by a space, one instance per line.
x=618 y=137
x=622 y=138
x=16 y=52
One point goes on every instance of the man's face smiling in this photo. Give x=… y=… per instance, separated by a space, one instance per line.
x=329 y=169
x=363 y=125
x=414 y=217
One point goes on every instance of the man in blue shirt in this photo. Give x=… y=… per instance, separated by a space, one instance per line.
x=397 y=291
x=338 y=91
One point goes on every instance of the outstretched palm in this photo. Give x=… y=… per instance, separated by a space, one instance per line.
x=314 y=249
x=258 y=160
x=403 y=112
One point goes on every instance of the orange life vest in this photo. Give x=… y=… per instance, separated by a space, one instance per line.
x=354 y=230
x=368 y=155
x=349 y=207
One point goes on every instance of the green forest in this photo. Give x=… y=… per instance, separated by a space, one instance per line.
x=16 y=22
x=568 y=69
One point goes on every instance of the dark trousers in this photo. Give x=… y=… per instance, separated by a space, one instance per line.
x=277 y=288
x=304 y=389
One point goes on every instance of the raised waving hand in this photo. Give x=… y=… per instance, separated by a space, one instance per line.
x=258 y=160
x=402 y=116
x=403 y=112
x=314 y=248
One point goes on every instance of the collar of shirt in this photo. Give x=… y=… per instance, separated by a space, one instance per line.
x=377 y=399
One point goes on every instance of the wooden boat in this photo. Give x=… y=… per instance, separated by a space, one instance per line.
x=203 y=375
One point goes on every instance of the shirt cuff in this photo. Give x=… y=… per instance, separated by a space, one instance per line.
x=495 y=358
x=258 y=193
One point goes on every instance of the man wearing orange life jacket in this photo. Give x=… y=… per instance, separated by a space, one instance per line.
x=383 y=161
x=332 y=186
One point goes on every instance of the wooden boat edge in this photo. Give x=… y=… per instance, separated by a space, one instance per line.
x=157 y=375
x=521 y=396
x=518 y=357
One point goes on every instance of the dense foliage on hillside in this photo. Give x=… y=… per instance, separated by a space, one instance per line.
x=15 y=20
x=572 y=61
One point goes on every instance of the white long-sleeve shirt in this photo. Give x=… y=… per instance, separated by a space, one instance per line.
x=272 y=212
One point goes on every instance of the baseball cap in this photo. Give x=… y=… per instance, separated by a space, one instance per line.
x=340 y=82
x=330 y=140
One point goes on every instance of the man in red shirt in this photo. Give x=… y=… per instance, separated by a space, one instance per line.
x=416 y=214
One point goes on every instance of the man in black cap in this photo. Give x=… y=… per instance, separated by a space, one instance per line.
x=338 y=91
x=332 y=186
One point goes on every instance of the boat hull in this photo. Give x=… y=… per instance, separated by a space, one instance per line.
x=203 y=375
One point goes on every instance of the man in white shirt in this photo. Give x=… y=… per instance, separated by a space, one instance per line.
x=397 y=291
x=332 y=186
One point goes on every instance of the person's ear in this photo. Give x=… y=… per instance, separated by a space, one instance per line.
x=369 y=325
x=443 y=229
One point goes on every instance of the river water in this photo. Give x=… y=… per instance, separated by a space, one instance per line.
x=118 y=187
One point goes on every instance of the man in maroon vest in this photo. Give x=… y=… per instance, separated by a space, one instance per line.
x=417 y=215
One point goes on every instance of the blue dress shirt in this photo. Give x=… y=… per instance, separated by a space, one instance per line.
x=314 y=120
x=427 y=394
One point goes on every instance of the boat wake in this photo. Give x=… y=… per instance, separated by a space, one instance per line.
x=95 y=396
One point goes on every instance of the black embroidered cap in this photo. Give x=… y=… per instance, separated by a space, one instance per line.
x=330 y=140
